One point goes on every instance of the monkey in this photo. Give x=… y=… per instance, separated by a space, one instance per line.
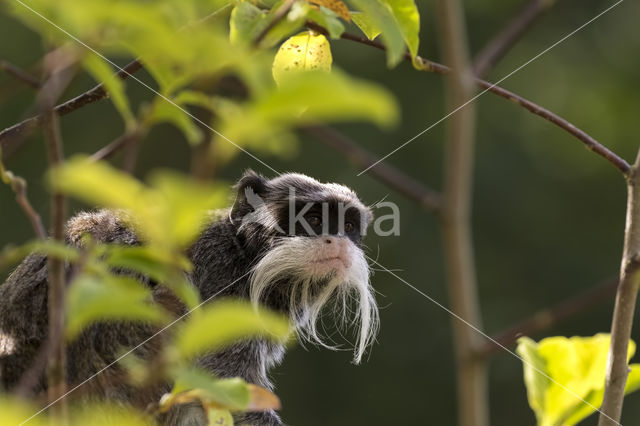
x=291 y=244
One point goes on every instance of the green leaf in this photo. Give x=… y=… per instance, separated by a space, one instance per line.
x=576 y=369
x=14 y=411
x=187 y=204
x=327 y=19
x=246 y=22
x=164 y=111
x=217 y=416
x=232 y=394
x=108 y=298
x=366 y=24
x=164 y=268
x=107 y=414
x=303 y=98
x=98 y=183
x=171 y=212
x=221 y=323
x=381 y=16
x=407 y=17
x=102 y=71
x=302 y=52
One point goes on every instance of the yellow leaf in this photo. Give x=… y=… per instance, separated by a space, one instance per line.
x=302 y=52
x=262 y=399
x=336 y=6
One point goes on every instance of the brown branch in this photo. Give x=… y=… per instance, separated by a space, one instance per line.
x=430 y=66
x=387 y=174
x=471 y=371
x=20 y=74
x=59 y=76
x=12 y=136
x=624 y=309
x=500 y=44
x=115 y=146
x=19 y=187
x=277 y=17
x=549 y=317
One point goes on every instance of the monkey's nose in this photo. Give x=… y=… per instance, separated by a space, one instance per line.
x=328 y=241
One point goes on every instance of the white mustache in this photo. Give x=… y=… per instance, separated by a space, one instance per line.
x=310 y=293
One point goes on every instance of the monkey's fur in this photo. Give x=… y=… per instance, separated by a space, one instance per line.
x=295 y=272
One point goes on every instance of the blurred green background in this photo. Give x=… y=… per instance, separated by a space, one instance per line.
x=548 y=215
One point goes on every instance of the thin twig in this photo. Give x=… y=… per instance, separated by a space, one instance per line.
x=500 y=44
x=20 y=74
x=431 y=66
x=277 y=17
x=11 y=137
x=548 y=317
x=471 y=371
x=387 y=174
x=112 y=148
x=19 y=187
x=622 y=322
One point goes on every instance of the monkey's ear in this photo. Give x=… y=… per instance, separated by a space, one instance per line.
x=253 y=180
x=249 y=188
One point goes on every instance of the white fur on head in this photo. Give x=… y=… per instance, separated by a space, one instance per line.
x=319 y=269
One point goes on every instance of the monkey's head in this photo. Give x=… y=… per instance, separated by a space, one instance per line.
x=308 y=235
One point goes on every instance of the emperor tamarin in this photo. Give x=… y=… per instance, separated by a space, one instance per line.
x=290 y=243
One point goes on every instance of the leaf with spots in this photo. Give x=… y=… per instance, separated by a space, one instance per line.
x=303 y=52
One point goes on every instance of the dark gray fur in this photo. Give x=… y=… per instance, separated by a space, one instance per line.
x=223 y=253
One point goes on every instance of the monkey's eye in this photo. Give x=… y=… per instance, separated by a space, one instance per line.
x=314 y=220
x=349 y=227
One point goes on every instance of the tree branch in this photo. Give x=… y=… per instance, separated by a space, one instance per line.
x=471 y=371
x=59 y=76
x=11 y=137
x=18 y=73
x=112 y=148
x=622 y=322
x=387 y=174
x=500 y=44
x=19 y=187
x=430 y=66
x=549 y=317
x=277 y=17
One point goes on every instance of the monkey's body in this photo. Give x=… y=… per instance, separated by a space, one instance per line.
x=226 y=257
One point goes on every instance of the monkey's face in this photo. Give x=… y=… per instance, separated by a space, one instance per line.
x=312 y=255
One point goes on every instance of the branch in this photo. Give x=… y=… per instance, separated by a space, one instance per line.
x=60 y=75
x=115 y=146
x=549 y=317
x=500 y=44
x=471 y=371
x=18 y=73
x=387 y=174
x=617 y=366
x=12 y=136
x=277 y=17
x=19 y=187
x=430 y=66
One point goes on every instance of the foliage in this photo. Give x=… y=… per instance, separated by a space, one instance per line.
x=565 y=376
x=185 y=56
